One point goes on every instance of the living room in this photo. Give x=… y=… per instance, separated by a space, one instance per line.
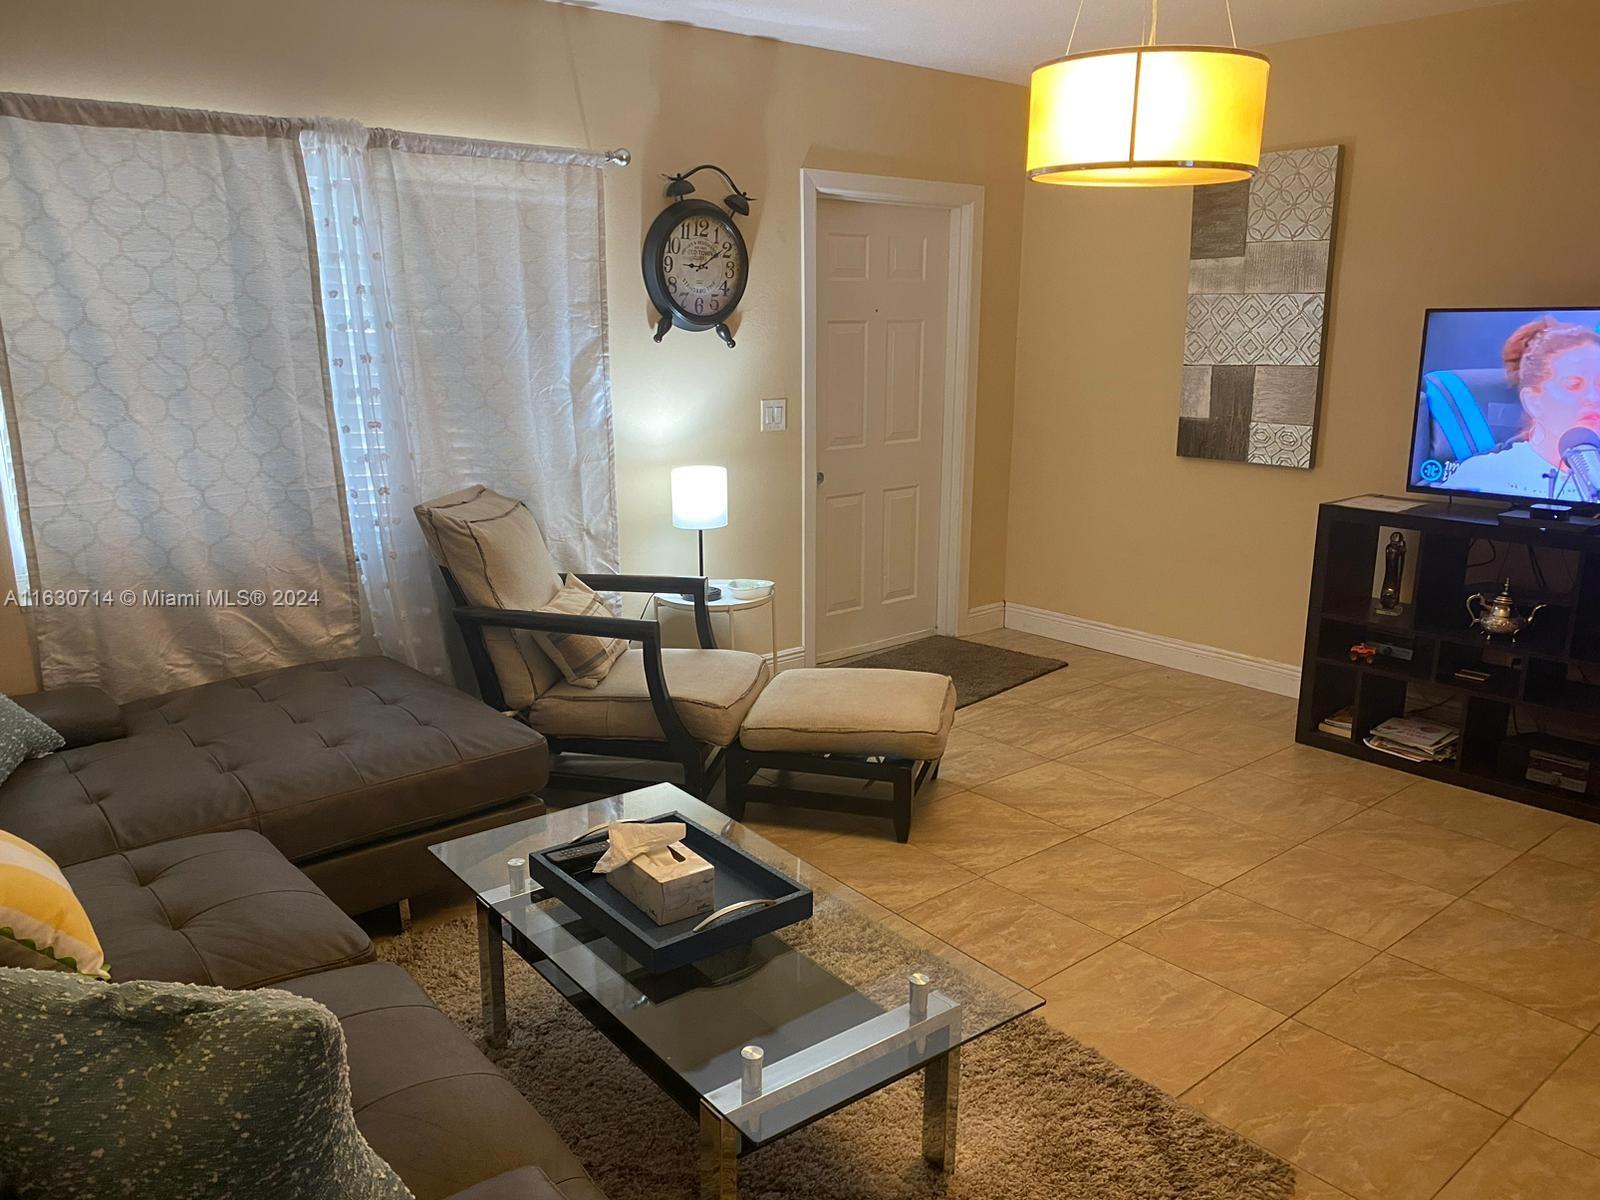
x=1081 y=782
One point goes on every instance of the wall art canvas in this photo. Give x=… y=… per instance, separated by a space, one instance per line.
x=1260 y=254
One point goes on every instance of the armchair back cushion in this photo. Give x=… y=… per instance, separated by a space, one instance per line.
x=492 y=546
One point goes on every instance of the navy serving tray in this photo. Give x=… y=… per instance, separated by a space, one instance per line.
x=567 y=873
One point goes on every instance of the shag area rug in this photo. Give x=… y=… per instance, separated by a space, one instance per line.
x=979 y=671
x=1042 y=1117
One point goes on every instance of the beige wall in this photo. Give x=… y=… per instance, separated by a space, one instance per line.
x=675 y=96
x=1471 y=178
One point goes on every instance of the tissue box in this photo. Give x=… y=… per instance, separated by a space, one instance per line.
x=669 y=885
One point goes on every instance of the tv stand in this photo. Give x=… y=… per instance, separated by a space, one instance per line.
x=1518 y=707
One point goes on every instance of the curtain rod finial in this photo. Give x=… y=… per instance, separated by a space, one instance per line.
x=619 y=157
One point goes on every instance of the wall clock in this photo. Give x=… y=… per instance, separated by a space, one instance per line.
x=695 y=261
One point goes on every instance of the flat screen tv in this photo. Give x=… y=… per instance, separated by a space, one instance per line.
x=1508 y=405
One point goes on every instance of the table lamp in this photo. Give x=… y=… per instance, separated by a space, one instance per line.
x=700 y=502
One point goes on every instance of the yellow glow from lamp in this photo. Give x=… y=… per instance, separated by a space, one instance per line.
x=1148 y=116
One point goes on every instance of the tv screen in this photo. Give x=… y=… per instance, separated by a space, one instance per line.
x=1500 y=390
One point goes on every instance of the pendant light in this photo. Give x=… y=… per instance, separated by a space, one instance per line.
x=1148 y=115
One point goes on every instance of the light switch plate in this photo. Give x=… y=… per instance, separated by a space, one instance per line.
x=775 y=415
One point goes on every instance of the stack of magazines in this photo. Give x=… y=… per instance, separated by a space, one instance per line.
x=1339 y=724
x=1415 y=740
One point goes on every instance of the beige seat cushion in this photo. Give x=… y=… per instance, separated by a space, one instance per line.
x=711 y=689
x=492 y=545
x=905 y=714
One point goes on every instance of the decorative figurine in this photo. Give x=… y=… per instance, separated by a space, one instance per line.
x=1394 y=568
x=1498 y=617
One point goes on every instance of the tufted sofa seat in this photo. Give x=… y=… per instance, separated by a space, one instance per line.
x=221 y=909
x=349 y=767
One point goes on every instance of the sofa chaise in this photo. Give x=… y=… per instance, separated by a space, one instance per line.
x=351 y=768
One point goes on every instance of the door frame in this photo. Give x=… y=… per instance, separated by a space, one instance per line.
x=964 y=202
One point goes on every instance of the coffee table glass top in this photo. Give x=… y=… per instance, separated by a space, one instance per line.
x=839 y=1005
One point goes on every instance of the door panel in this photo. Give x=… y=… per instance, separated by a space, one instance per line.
x=842 y=563
x=902 y=513
x=882 y=309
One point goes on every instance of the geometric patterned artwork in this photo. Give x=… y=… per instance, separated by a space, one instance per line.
x=1257 y=321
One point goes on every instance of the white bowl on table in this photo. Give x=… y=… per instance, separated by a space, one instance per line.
x=747 y=589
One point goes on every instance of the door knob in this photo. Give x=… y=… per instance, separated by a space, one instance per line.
x=819 y=476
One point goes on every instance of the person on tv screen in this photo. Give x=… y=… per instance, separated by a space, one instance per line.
x=1555 y=369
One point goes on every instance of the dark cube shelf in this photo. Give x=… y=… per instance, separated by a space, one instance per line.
x=1542 y=691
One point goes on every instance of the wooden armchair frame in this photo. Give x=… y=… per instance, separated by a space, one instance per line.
x=701 y=764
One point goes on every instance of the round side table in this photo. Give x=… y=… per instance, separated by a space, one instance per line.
x=728 y=605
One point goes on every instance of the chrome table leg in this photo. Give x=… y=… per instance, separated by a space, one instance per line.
x=719 y=1157
x=941 y=1091
x=491 y=975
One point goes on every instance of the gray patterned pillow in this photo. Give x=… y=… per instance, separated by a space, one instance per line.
x=177 y=1091
x=23 y=735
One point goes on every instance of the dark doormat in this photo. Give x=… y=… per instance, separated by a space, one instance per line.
x=979 y=671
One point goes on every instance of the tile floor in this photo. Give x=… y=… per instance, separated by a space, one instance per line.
x=1391 y=983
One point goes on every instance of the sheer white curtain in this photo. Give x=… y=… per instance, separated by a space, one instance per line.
x=465 y=289
x=176 y=484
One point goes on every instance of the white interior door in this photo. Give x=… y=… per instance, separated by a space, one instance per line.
x=883 y=290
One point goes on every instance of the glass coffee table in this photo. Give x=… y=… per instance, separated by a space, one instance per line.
x=758 y=1041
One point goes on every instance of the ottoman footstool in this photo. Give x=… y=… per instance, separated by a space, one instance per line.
x=867 y=724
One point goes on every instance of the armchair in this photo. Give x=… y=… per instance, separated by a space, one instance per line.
x=670 y=705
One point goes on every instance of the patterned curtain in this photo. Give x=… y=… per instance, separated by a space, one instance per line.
x=178 y=485
x=465 y=289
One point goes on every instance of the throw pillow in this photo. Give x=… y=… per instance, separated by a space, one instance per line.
x=583 y=659
x=22 y=736
x=177 y=1091
x=42 y=924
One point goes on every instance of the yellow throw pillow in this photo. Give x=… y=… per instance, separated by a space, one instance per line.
x=584 y=659
x=42 y=925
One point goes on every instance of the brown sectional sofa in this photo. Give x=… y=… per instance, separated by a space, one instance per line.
x=175 y=820
x=351 y=768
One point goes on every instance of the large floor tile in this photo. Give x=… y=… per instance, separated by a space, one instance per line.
x=1520 y=826
x=1277 y=806
x=1067 y=796
x=1042 y=731
x=1476 y=1044
x=1194 y=842
x=1350 y=898
x=1567 y=1105
x=1018 y=937
x=1553 y=972
x=970 y=759
x=1114 y=708
x=1256 y=951
x=896 y=876
x=1162 y=1023
x=1440 y=858
x=1056 y=683
x=1107 y=888
x=1520 y=1164
x=1347 y=778
x=980 y=834
x=1168 y=683
x=1544 y=890
x=1219 y=734
x=1150 y=766
x=1308 y=1187
x=1367 y=1127
x=1578 y=844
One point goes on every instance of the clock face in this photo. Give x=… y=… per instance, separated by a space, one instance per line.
x=703 y=265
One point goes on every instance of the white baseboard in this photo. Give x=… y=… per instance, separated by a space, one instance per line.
x=984 y=619
x=1229 y=665
x=794 y=656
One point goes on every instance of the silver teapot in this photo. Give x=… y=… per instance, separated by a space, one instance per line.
x=1497 y=616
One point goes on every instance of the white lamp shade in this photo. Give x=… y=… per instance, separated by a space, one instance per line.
x=700 y=497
